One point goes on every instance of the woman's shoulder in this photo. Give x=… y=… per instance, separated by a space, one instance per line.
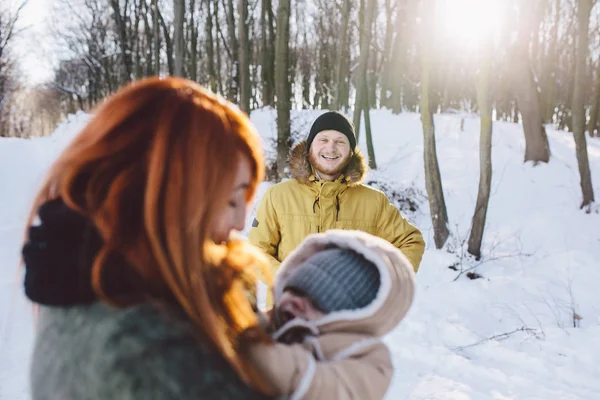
x=101 y=327
x=137 y=352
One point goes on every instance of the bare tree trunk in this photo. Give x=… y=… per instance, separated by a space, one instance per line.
x=295 y=49
x=593 y=123
x=485 y=155
x=193 y=29
x=387 y=55
x=361 y=80
x=535 y=36
x=168 y=43
x=342 y=54
x=268 y=50
x=395 y=100
x=305 y=72
x=136 y=41
x=373 y=72
x=551 y=66
x=156 y=34
x=120 y=22
x=244 y=56
x=148 y=34
x=319 y=58
x=433 y=179
x=233 y=42
x=526 y=90
x=210 y=51
x=370 y=148
x=282 y=86
x=583 y=16
x=179 y=10
x=218 y=48
x=325 y=74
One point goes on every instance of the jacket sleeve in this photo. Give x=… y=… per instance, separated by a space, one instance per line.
x=394 y=228
x=265 y=233
x=363 y=376
x=295 y=373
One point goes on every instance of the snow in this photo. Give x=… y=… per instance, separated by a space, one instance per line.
x=509 y=335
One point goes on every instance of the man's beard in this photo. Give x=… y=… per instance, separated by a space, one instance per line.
x=322 y=169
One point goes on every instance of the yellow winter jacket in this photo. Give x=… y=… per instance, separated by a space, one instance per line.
x=293 y=209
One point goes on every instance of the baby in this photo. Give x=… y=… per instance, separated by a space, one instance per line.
x=335 y=296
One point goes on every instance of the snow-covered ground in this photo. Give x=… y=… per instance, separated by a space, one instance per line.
x=509 y=335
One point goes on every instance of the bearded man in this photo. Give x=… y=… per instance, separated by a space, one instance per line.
x=327 y=192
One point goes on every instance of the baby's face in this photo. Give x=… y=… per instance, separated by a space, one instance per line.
x=294 y=304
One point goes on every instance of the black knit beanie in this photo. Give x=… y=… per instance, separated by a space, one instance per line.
x=332 y=120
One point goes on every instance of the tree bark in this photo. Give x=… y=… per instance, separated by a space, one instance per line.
x=148 y=32
x=168 y=43
x=268 y=50
x=485 y=156
x=305 y=73
x=342 y=55
x=387 y=67
x=156 y=35
x=551 y=65
x=369 y=135
x=583 y=16
x=193 y=29
x=433 y=179
x=244 y=56
x=210 y=51
x=233 y=42
x=397 y=62
x=593 y=123
x=120 y=22
x=365 y=43
x=526 y=90
x=179 y=10
x=136 y=41
x=282 y=87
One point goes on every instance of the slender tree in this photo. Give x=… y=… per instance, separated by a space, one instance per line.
x=583 y=15
x=282 y=85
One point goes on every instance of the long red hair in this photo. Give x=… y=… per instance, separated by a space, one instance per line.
x=153 y=171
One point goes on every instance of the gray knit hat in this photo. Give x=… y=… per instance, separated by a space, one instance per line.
x=337 y=279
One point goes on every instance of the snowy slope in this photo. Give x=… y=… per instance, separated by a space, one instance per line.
x=539 y=266
x=22 y=167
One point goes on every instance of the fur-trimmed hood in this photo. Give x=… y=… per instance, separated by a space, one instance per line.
x=354 y=361
x=393 y=299
x=302 y=170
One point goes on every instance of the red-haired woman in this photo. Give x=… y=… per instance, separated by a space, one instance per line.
x=147 y=195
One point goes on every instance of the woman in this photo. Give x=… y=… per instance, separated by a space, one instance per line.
x=148 y=194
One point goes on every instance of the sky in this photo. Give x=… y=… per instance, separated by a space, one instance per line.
x=32 y=47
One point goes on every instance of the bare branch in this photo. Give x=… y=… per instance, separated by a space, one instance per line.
x=10 y=28
x=501 y=336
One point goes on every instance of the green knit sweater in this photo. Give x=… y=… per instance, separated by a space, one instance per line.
x=97 y=352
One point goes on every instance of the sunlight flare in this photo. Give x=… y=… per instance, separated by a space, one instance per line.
x=469 y=22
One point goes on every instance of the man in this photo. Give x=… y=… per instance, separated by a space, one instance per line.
x=327 y=193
